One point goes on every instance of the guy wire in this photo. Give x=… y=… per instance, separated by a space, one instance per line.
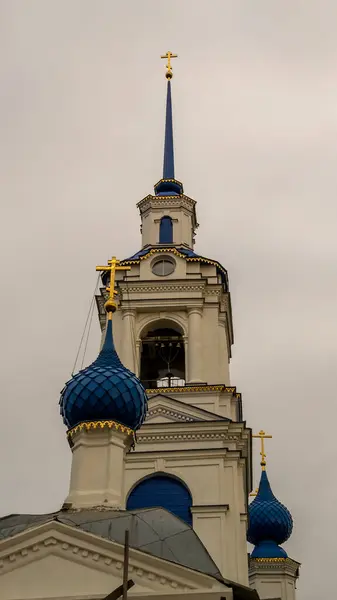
x=85 y=327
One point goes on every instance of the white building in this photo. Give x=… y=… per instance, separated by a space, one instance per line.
x=182 y=490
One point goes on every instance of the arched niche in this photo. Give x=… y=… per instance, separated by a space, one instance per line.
x=162 y=358
x=165 y=491
x=166 y=230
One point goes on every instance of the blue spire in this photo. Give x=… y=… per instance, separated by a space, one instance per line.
x=270 y=523
x=108 y=355
x=168 y=168
x=105 y=390
x=168 y=186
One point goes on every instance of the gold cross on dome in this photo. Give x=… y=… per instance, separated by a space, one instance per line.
x=112 y=266
x=263 y=436
x=169 y=55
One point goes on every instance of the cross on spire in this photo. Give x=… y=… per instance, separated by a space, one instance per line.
x=262 y=435
x=169 y=55
x=112 y=266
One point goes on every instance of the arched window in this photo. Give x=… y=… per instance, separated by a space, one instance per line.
x=162 y=361
x=166 y=231
x=161 y=490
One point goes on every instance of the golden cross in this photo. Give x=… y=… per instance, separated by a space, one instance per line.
x=262 y=435
x=169 y=55
x=112 y=266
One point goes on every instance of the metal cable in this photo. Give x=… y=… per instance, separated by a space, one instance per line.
x=85 y=326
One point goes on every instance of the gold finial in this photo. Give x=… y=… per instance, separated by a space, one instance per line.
x=262 y=435
x=169 y=55
x=112 y=266
x=254 y=493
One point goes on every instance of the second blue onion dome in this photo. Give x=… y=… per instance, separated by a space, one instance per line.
x=105 y=390
x=270 y=523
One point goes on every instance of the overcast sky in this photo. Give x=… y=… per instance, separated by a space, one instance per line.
x=255 y=120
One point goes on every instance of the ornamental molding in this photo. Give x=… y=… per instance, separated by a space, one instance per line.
x=172 y=407
x=157 y=287
x=64 y=541
x=175 y=415
x=200 y=389
x=145 y=438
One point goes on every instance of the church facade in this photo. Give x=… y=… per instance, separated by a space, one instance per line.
x=160 y=447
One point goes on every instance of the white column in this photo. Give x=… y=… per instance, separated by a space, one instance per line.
x=223 y=351
x=97 y=468
x=194 y=345
x=129 y=340
x=138 y=356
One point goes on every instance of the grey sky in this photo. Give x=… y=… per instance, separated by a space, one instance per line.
x=255 y=119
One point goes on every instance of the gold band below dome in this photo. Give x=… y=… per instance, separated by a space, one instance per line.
x=87 y=425
x=269 y=560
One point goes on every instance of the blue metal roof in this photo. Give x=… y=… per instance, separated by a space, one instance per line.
x=168 y=186
x=105 y=390
x=270 y=523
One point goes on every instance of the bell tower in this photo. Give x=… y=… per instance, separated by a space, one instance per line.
x=174 y=329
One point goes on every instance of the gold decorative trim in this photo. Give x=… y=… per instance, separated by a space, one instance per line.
x=168 y=180
x=269 y=560
x=87 y=425
x=193 y=389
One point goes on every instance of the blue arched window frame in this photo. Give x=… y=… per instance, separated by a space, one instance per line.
x=165 y=491
x=166 y=230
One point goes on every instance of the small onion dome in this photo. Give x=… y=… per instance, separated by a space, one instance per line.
x=270 y=523
x=105 y=390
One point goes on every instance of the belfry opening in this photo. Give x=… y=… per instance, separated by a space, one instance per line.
x=162 y=362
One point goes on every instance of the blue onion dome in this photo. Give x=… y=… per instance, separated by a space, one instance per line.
x=270 y=523
x=105 y=390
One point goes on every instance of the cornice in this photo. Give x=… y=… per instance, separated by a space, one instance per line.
x=164 y=287
x=174 y=414
x=202 y=431
x=200 y=389
x=178 y=411
x=158 y=202
x=265 y=565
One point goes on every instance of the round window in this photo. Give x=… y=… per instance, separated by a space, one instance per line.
x=163 y=267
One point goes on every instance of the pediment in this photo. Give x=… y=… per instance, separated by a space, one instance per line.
x=165 y=409
x=54 y=560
